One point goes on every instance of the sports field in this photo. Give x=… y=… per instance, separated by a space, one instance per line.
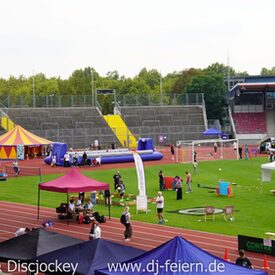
x=254 y=209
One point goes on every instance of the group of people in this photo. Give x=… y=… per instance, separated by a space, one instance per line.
x=72 y=159
x=79 y=206
x=177 y=183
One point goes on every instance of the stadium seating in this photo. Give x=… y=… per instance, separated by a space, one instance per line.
x=80 y=126
x=250 y=123
x=77 y=126
x=174 y=122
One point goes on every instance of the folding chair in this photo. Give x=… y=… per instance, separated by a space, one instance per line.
x=228 y=213
x=208 y=211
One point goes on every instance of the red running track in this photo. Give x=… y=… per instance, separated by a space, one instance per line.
x=146 y=236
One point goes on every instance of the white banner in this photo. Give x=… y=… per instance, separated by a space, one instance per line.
x=142 y=203
x=140 y=174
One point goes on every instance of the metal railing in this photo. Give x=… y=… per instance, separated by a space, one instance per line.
x=57 y=101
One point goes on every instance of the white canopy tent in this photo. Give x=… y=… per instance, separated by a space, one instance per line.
x=266 y=171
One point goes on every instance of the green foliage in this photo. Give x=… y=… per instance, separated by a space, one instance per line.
x=150 y=77
x=253 y=207
x=218 y=68
x=81 y=81
x=183 y=80
x=266 y=71
x=214 y=90
x=148 y=82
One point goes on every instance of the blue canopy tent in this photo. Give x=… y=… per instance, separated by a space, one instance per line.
x=212 y=132
x=91 y=255
x=186 y=255
x=34 y=243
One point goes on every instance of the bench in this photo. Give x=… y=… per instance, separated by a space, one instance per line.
x=273 y=192
x=270 y=235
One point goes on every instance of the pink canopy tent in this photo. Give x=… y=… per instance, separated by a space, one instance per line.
x=72 y=182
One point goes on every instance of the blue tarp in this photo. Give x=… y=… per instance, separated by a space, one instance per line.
x=179 y=256
x=91 y=255
x=212 y=132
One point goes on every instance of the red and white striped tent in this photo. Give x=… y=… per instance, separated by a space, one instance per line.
x=18 y=136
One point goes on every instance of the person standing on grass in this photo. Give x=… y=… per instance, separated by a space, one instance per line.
x=179 y=188
x=188 y=181
x=116 y=178
x=161 y=181
x=121 y=189
x=160 y=206
x=195 y=166
x=246 y=152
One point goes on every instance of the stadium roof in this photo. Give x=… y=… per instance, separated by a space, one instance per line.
x=251 y=87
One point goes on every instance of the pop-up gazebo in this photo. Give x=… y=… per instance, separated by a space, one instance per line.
x=72 y=182
x=33 y=244
x=179 y=256
x=91 y=255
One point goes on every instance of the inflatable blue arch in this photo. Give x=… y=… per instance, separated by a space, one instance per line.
x=145 y=150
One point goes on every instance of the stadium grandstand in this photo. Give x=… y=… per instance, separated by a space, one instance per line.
x=251 y=102
x=80 y=124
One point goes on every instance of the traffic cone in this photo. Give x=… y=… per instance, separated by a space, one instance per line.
x=226 y=255
x=265 y=263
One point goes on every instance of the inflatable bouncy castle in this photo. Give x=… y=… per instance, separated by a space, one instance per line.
x=67 y=158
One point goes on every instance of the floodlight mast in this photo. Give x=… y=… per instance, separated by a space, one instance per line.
x=93 y=93
x=33 y=89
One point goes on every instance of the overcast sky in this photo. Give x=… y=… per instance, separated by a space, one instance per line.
x=57 y=37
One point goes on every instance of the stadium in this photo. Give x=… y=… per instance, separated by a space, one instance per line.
x=29 y=134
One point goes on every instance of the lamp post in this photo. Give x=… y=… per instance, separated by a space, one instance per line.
x=33 y=89
x=160 y=88
x=93 y=93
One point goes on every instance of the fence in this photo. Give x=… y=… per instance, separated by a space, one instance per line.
x=55 y=101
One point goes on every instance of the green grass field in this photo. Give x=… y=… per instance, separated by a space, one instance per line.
x=255 y=209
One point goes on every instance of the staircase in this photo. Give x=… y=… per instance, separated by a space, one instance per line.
x=6 y=123
x=270 y=122
x=121 y=130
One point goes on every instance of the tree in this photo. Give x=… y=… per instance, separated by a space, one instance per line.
x=114 y=75
x=183 y=79
x=150 y=77
x=81 y=80
x=214 y=90
x=266 y=71
x=220 y=68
